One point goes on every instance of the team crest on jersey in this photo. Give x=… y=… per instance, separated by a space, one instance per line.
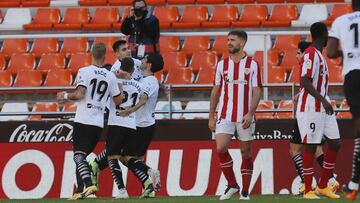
x=247 y=71
x=308 y=64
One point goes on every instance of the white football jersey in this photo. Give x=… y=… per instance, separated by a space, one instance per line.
x=100 y=84
x=132 y=91
x=145 y=116
x=136 y=75
x=346 y=29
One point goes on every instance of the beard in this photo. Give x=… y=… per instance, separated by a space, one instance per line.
x=234 y=50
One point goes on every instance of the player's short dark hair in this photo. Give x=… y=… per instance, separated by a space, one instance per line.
x=356 y=5
x=240 y=33
x=98 y=51
x=117 y=44
x=156 y=60
x=317 y=30
x=107 y=66
x=133 y=3
x=303 y=45
x=127 y=64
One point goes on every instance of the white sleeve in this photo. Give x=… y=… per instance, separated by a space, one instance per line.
x=335 y=29
x=80 y=79
x=218 y=74
x=309 y=65
x=114 y=87
x=149 y=87
x=256 y=75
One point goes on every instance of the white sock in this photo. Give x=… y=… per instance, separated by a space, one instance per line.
x=353 y=186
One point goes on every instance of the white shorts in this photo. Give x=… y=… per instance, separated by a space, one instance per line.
x=228 y=127
x=314 y=126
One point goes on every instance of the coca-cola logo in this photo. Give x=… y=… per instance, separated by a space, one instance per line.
x=61 y=132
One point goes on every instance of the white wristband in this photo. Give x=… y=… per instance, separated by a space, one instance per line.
x=66 y=96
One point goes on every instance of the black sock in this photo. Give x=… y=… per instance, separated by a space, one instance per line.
x=139 y=169
x=83 y=168
x=80 y=184
x=355 y=176
x=116 y=173
x=298 y=162
x=101 y=160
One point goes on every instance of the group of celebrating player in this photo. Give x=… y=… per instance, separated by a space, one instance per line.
x=129 y=91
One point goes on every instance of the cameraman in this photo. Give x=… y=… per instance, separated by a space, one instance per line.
x=143 y=28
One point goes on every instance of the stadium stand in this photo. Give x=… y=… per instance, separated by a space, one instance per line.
x=5 y=79
x=14 y=107
x=58 y=77
x=165 y=106
x=15 y=18
x=103 y=19
x=281 y=16
x=166 y=15
x=14 y=46
x=43 y=107
x=28 y=78
x=197 y=106
x=74 y=19
x=74 y=45
x=79 y=60
x=18 y=62
x=251 y=16
x=318 y=13
x=192 y=17
x=169 y=44
x=51 y=61
x=44 y=46
x=44 y=19
x=221 y=17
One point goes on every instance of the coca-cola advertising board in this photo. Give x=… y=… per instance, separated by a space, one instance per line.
x=36 y=160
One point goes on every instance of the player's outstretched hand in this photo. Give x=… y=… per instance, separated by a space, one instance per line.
x=60 y=95
x=212 y=124
x=328 y=108
x=246 y=121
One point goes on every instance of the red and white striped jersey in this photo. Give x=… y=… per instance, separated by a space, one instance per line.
x=236 y=81
x=314 y=66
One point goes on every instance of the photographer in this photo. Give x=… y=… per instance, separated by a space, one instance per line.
x=143 y=29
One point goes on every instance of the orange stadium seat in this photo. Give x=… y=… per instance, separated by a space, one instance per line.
x=220 y=45
x=222 y=17
x=58 y=77
x=270 y=1
x=192 y=17
x=108 y=41
x=5 y=79
x=44 y=46
x=206 y=76
x=328 y=1
x=174 y=59
x=335 y=73
x=120 y=2
x=194 y=44
x=2 y=62
x=166 y=16
x=289 y=60
x=103 y=19
x=35 y=3
x=338 y=10
x=19 y=62
x=181 y=75
x=28 y=78
x=276 y=74
x=240 y=1
x=14 y=46
x=169 y=44
x=70 y=107
x=210 y=1
x=156 y=2
x=126 y=13
x=51 y=61
x=286 y=42
x=74 y=19
x=203 y=59
x=110 y=58
x=295 y=74
x=265 y=105
x=1 y=17
x=78 y=61
x=74 y=45
x=43 y=107
x=181 y=1
x=300 y=1
x=344 y=115
x=93 y=2
x=285 y=105
x=273 y=58
x=281 y=16
x=44 y=19
x=10 y=3
x=251 y=16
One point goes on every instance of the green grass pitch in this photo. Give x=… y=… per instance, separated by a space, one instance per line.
x=204 y=199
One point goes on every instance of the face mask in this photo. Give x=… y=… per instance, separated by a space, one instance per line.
x=140 y=12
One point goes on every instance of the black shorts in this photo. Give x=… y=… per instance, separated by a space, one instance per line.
x=85 y=137
x=144 y=137
x=296 y=136
x=352 y=92
x=117 y=138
